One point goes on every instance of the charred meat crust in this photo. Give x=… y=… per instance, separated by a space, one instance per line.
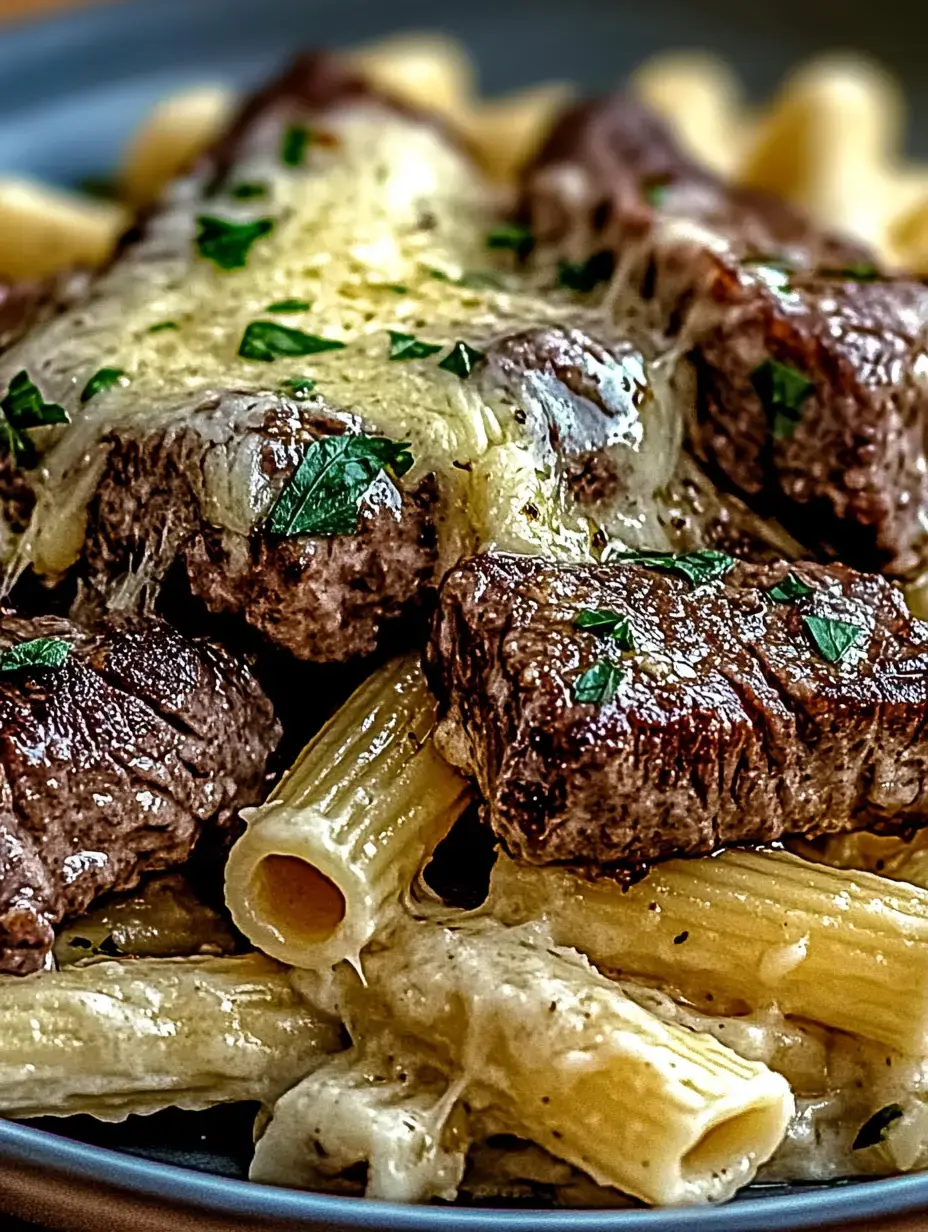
x=728 y=725
x=851 y=479
x=324 y=599
x=111 y=766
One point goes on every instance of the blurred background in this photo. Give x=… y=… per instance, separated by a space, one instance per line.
x=746 y=86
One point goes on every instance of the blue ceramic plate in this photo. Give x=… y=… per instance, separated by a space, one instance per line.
x=71 y=91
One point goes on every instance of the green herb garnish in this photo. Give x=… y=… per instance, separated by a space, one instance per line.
x=598 y=684
x=80 y=943
x=24 y=407
x=265 y=341
x=41 y=652
x=852 y=273
x=228 y=244
x=473 y=280
x=325 y=493
x=655 y=192
x=408 y=346
x=698 y=568
x=397 y=288
x=106 y=378
x=298 y=387
x=248 y=190
x=587 y=275
x=461 y=360
x=782 y=391
x=789 y=590
x=873 y=1131
x=514 y=237
x=831 y=638
x=294 y=145
x=606 y=623
x=163 y=327
x=289 y=305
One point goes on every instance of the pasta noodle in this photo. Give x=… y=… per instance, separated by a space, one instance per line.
x=507 y=131
x=829 y=141
x=847 y=949
x=571 y=1062
x=700 y=96
x=431 y=71
x=43 y=230
x=114 y=1038
x=352 y=1111
x=326 y=860
x=178 y=130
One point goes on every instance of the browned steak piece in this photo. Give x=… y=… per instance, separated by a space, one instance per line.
x=324 y=598
x=617 y=715
x=811 y=362
x=111 y=764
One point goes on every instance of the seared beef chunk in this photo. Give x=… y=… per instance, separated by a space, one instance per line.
x=812 y=400
x=111 y=764
x=617 y=715
x=320 y=597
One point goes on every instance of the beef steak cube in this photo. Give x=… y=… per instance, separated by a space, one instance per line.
x=812 y=401
x=112 y=762
x=620 y=714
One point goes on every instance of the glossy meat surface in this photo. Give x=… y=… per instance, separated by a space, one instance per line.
x=737 y=278
x=112 y=764
x=723 y=724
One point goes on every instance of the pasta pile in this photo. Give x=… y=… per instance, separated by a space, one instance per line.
x=758 y=1008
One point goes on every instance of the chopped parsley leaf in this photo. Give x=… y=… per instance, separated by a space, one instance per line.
x=587 y=275
x=396 y=287
x=295 y=143
x=782 y=390
x=597 y=686
x=606 y=623
x=473 y=280
x=831 y=638
x=248 y=190
x=852 y=273
x=408 y=346
x=227 y=244
x=106 y=378
x=24 y=407
x=681 y=937
x=80 y=943
x=41 y=652
x=698 y=568
x=265 y=341
x=324 y=495
x=289 y=305
x=655 y=192
x=789 y=590
x=873 y=1131
x=461 y=360
x=163 y=327
x=514 y=237
x=298 y=387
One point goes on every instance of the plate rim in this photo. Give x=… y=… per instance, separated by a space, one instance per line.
x=185 y=1187
x=135 y=1176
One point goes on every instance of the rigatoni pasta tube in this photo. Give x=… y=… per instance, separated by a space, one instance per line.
x=352 y=1111
x=559 y=1052
x=843 y=948
x=114 y=1038
x=343 y=835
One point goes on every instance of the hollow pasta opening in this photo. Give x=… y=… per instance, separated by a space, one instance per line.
x=750 y=1133
x=297 y=899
